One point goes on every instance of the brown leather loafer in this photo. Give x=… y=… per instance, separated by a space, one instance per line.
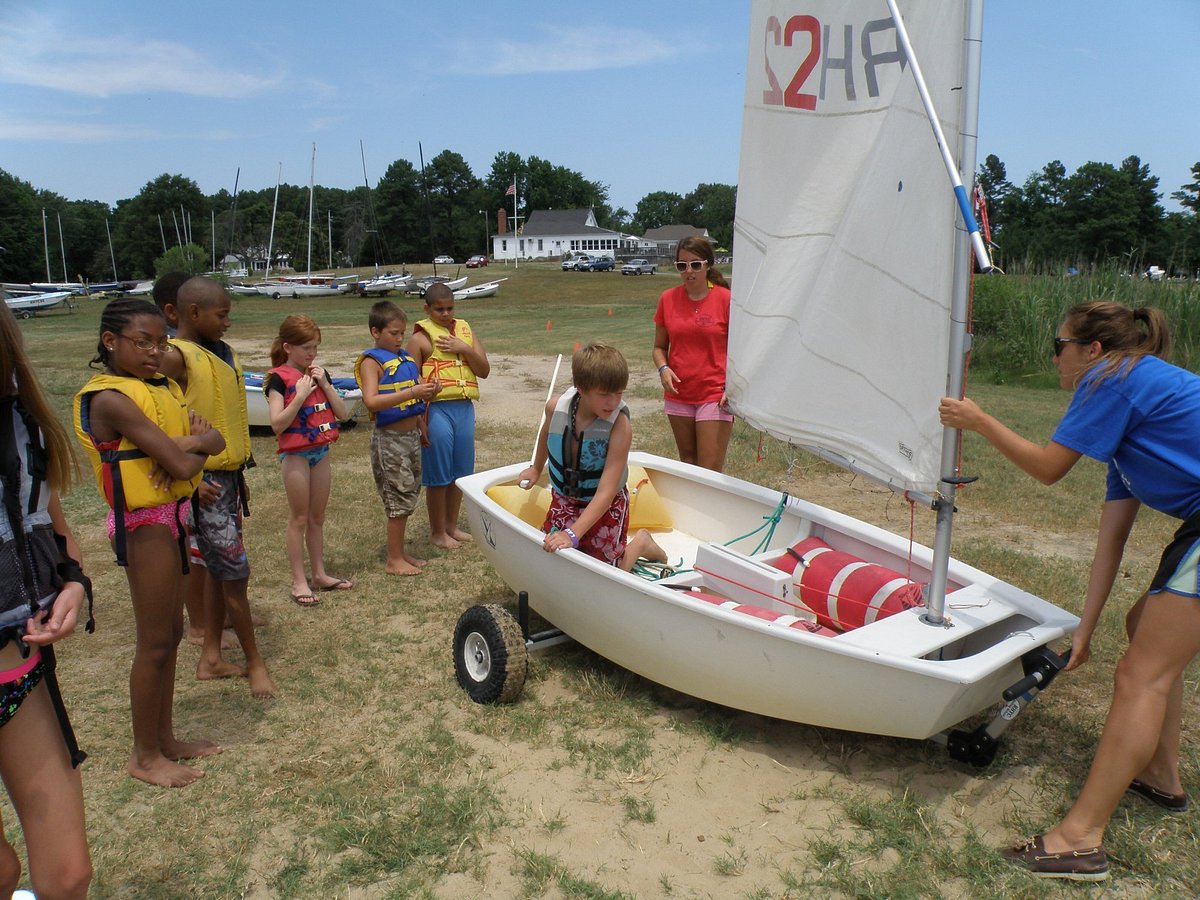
x=1172 y=803
x=1076 y=865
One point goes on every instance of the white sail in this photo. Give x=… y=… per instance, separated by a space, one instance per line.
x=843 y=263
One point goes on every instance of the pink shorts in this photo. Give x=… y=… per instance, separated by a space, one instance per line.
x=167 y=514
x=701 y=412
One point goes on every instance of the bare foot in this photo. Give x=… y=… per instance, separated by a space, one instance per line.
x=414 y=560
x=195 y=636
x=175 y=749
x=459 y=535
x=402 y=568
x=261 y=685
x=258 y=621
x=206 y=671
x=164 y=773
x=444 y=541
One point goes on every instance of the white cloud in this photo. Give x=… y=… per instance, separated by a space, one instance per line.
x=575 y=49
x=67 y=132
x=41 y=51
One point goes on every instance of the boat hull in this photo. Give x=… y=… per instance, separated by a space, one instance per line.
x=898 y=676
x=259 y=414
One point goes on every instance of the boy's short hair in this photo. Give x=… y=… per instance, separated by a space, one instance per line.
x=383 y=314
x=599 y=366
x=166 y=287
x=437 y=291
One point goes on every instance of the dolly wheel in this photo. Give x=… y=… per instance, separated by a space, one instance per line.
x=490 y=659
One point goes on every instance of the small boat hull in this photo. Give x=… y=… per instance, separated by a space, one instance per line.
x=24 y=306
x=897 y=676
x=259 y=414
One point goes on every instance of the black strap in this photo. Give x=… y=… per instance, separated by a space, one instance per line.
x=60 y=710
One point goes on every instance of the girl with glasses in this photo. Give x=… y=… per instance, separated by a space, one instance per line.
x=691 y=334
x=1140 y=416
x=147 y=452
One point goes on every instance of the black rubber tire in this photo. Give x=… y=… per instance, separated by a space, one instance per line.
x=26 y=314
x=275 y=295
x=490 y=657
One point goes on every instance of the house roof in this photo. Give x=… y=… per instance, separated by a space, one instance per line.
x=553 y=222
x=674 y=232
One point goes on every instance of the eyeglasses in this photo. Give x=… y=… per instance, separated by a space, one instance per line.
x=682 y=265
x=1060 y=342
x=163 y=346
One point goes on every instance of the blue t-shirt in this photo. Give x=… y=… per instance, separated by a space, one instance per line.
x=1146 y=426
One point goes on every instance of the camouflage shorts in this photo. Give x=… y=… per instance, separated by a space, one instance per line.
x=396 y=465
x=218 y=530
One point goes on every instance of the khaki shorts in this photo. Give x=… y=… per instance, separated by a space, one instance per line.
x=396 y=465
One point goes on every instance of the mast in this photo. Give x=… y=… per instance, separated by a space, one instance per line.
x=312 y=174
x=271 y=239
x=46 y=242
x=329 y=234
x=960 y=344
x=112 y=255
x=62 y=248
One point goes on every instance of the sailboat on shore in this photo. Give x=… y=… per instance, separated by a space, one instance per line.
x=851 y=275
x=308 y=284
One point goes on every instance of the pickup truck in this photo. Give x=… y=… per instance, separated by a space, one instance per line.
x=639 y=267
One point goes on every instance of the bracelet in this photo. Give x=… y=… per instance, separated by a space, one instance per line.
x=663 y=366
x=574 y=540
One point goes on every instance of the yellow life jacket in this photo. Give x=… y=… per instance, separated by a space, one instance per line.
x=124 y=474
x=454 y=372
x=216 y=391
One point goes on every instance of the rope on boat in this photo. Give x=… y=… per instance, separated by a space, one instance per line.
x=769 y=522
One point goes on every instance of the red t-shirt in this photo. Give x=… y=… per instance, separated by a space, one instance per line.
x=698 y=340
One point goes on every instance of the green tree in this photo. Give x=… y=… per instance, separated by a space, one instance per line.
x=23 y=259
x=1188 y=196
x=656 y=210
x=401 y=211
x=190 y=258
x=143 y=227
x=710 y=206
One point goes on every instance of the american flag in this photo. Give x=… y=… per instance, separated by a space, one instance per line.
x=512 y=190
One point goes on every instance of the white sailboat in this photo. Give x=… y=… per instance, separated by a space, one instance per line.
x=851 y=273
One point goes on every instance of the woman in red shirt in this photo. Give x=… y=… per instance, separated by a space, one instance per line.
x=691 y=335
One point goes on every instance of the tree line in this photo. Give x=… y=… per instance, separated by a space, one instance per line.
x=411 y=215
x=1099 y=215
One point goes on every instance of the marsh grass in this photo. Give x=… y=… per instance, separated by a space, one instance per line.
x=373 y=775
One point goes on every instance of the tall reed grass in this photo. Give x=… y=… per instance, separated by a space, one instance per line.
x=1015 y=316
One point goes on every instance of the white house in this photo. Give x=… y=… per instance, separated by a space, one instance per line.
x=667 y=238
x=553 y=233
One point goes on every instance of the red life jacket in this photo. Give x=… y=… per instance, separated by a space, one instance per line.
x=314 y=425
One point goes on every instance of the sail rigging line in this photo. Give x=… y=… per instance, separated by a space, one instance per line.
x=960 y=192
x=377 y=241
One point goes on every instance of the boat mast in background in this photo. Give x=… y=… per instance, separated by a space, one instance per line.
x=111 y=255
x=271 y=239
x=312 y=174
x=62 y=248
x=46 y=243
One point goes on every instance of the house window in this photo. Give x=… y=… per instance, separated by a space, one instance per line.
x=504 y=244
x=539 y=245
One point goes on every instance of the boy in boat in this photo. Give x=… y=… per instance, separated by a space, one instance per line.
x=394 y=394
x=585 y=438
x=447 y=351
x=211 y=377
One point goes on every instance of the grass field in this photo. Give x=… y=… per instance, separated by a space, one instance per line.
x=372 y=775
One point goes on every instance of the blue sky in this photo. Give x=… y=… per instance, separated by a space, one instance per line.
x=96 y=99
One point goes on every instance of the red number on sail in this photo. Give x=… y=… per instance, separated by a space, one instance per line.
x=793 y=97
x=773 y=96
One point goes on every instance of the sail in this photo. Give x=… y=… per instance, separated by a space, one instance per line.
x=843 y=250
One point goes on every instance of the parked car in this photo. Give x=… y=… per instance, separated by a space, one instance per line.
x=477 y=261
x=602 y=264
x=571 y=261
x=639 y=267
x=443 y=260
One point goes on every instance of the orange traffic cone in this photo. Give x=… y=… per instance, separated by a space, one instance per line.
x=547 y=324
x=610 y=312
x=577 y=346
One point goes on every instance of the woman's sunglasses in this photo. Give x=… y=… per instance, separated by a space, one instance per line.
x=695 y=265
x=1060 y=342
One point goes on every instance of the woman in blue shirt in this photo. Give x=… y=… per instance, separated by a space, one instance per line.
x=1141 y=417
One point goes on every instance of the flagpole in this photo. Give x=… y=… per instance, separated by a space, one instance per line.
x=516 y=226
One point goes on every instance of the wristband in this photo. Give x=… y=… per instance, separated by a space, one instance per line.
x=574 y=540
x=663 y=366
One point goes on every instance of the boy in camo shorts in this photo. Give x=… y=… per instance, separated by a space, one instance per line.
x=395 y=396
